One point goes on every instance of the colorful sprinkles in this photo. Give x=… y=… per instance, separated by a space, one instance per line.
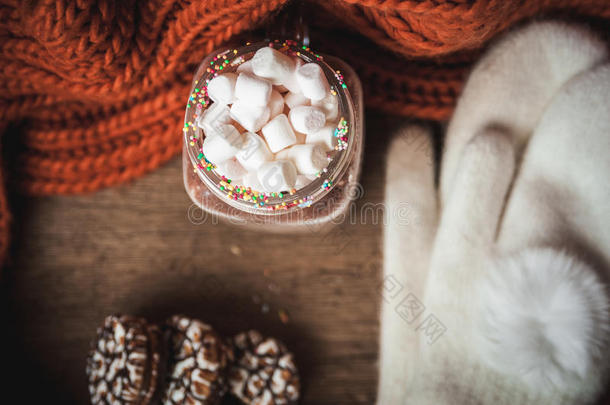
x=341 y=134
x=199 y=98
x=339 y=77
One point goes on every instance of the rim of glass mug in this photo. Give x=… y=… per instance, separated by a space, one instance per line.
x=244 y=198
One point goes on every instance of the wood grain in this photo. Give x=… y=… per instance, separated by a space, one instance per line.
x=133 y=249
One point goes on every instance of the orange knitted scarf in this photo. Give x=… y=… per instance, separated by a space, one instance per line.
x=93 y=92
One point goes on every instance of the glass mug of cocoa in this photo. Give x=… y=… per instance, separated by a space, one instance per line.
x=273 y=136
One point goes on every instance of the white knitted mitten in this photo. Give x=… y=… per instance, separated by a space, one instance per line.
x=514 y=82
x=512 y=281
x=547 y=313
x=411 y=209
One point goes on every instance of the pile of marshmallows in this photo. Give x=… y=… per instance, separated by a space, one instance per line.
x=263 y=139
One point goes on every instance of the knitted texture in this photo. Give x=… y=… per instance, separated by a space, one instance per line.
x=93 y=92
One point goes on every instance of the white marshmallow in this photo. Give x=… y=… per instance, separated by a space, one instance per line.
x=253 y=90
x=330 y=106
x=276 y=103
x=275 y=66
x=222 y=146
x=280 y=175
x=324 y=137
x=231 y=169
x=252 y=118
x=221 y=89
x=214 y=118
x=309 y=159
x=307 y=119
x=245 y=67
x=312 y=81
x=251 y=180
x=283 y=154
x=279 y=134
x=295 y=99
x=254 y=152
x=301 y=182
x=292 y=84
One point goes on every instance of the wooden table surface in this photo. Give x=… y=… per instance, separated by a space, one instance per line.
x=132 y=249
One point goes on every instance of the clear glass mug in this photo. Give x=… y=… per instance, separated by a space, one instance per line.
x=318 y=204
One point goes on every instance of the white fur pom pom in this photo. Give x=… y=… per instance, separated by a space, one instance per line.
x=545 y=319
